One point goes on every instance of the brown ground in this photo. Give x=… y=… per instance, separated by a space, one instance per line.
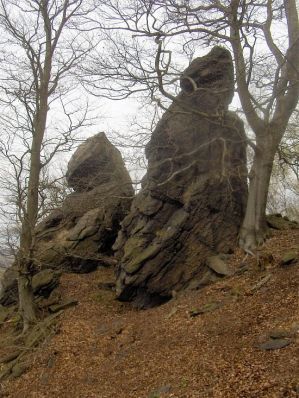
x=106 y=349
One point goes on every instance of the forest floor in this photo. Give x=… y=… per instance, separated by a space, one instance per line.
x=201 y=344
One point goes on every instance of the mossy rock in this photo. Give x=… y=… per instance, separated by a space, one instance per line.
x=9 y=290
x=18 y=369
x=274 y=344
x=16 y=320
x=148 y=207
x=218 y=265
x=134 y=246
x=289 y=257
x=208 y=307
x=6 y=312
x=138 y=260
x=44 y=282
x=276 y=221
x=63 y=306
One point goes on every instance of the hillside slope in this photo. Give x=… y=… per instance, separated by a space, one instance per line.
x=201 y=344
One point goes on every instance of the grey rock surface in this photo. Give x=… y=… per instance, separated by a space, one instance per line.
x=77 y=236
x=194 y=193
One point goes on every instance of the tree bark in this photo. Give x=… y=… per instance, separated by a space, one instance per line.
x=25 y=261
x=254 y=228
x=26 y=300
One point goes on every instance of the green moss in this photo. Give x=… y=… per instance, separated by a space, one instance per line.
x=134 y=246
x=149 y=252
x=184 y=382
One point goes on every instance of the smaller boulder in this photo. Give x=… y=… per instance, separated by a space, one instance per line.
x=276 y=221
x=274 y=344
x=209 y=307
x=289 y=257
x=44 y=282
x=18 y=369
x=218 y=265
x=9 y=288
x=63 y=306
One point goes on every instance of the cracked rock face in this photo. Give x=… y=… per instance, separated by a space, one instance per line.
x=193 y=196
x=76 y=236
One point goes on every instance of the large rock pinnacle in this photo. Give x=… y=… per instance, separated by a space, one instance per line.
x=194 y=193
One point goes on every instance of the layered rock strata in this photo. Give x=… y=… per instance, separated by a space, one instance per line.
x=193 y=196
x=79 y=235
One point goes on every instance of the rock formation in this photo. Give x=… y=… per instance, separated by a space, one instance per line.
x=43 y=283
x=194 y=193
x=8 y=286
x=78 y=236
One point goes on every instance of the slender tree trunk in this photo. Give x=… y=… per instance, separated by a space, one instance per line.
x=26 y=299
x=26 y=261
x=25 y=258
x=254 y=227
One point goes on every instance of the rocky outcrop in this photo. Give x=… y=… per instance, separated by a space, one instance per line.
x=43 y=283
x=193 y=196
x=96 y=163
x=9 y=286
x=79 y=236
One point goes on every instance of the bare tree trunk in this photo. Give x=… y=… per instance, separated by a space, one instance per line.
x=26 y=300
x=254 y=227
x=27 y=308
x=26 y=262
